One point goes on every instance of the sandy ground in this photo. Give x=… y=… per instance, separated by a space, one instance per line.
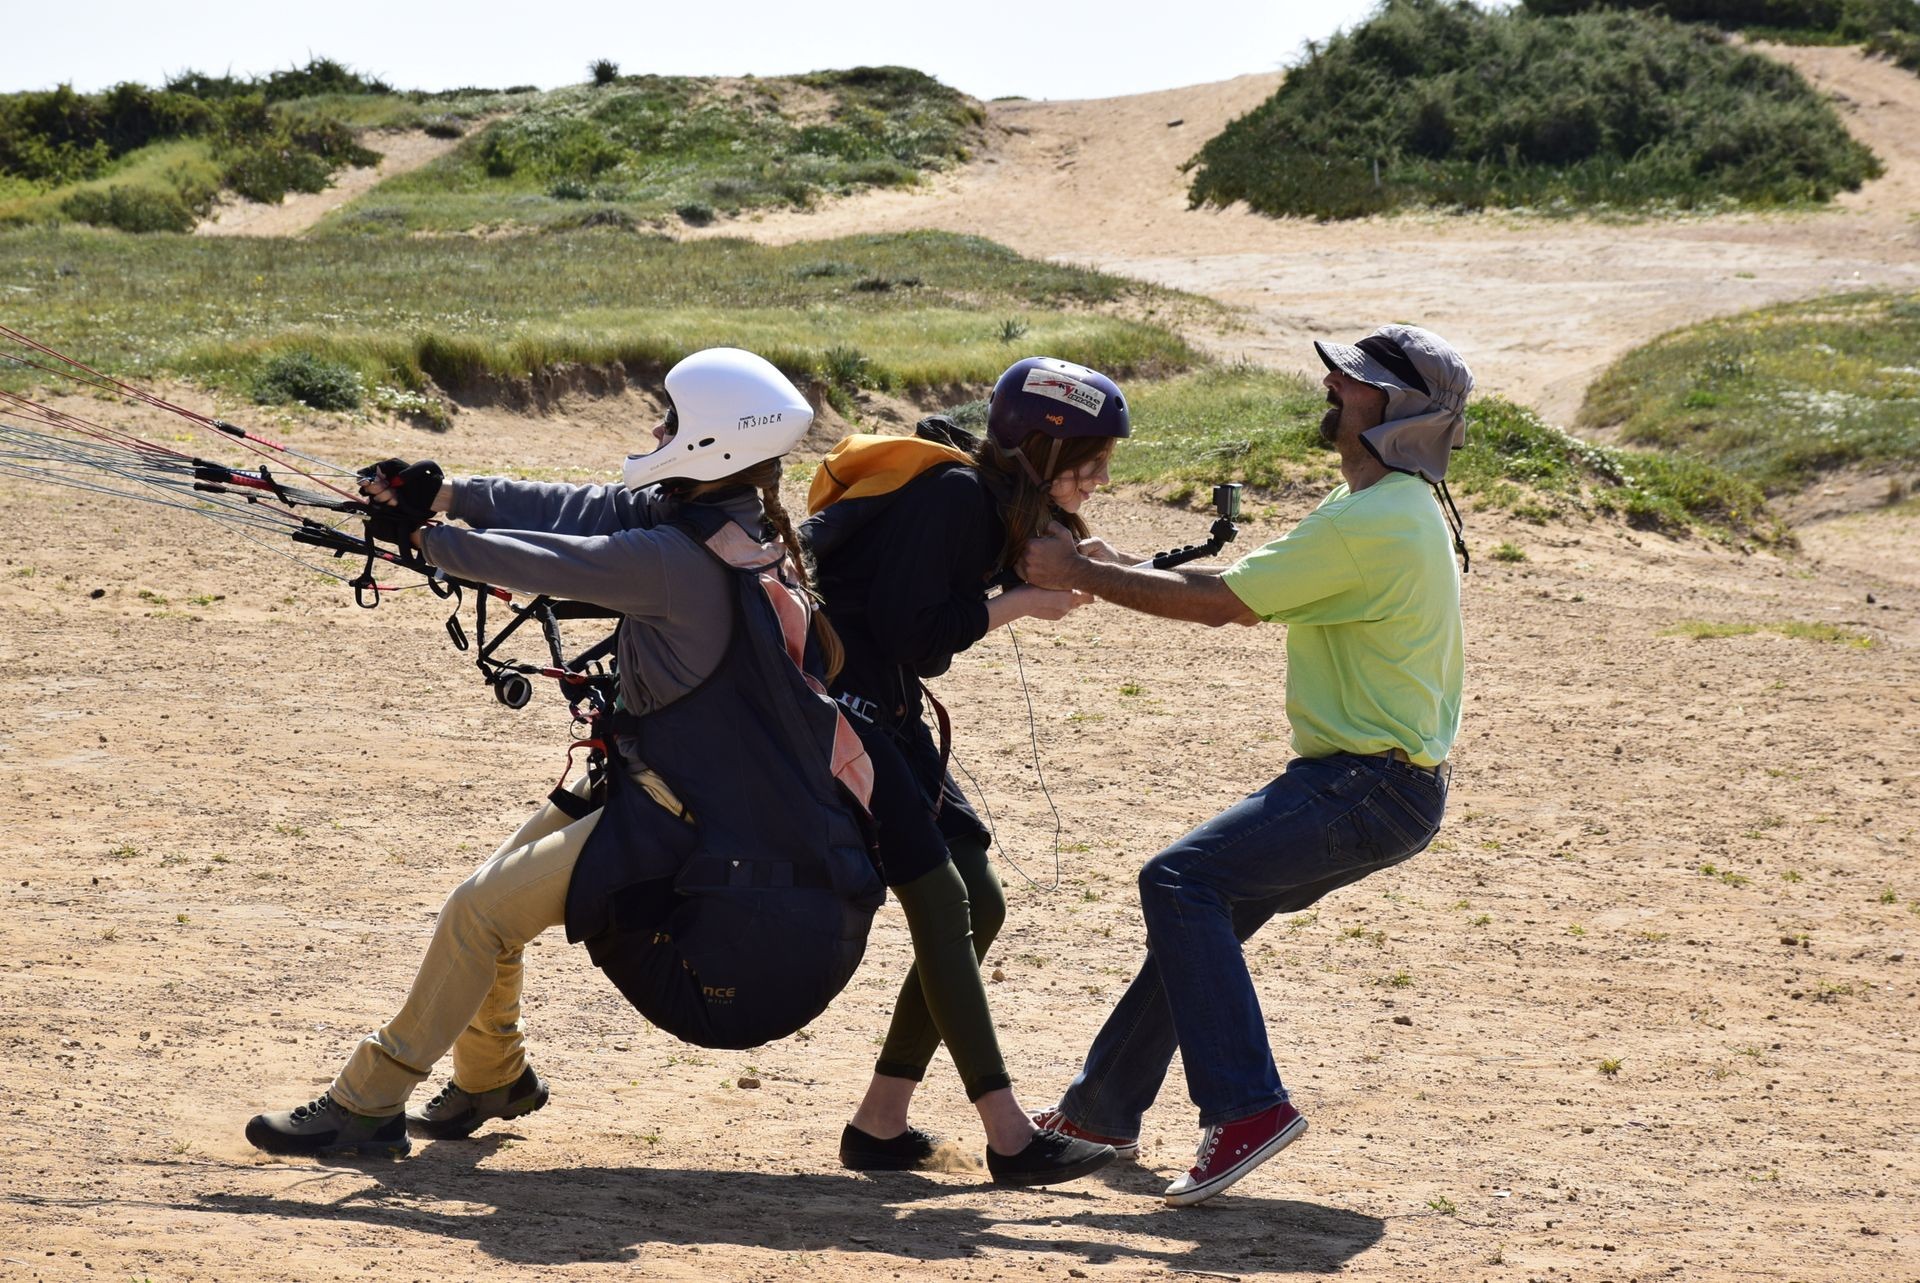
x=401 y=150
x=239 y=801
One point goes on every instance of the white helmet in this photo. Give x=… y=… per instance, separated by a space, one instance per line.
x=731 y=410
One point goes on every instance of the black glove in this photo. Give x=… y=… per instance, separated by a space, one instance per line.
x=411 y=486
x=408 y=502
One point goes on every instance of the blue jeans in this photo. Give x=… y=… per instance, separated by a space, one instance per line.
x=1324 y=823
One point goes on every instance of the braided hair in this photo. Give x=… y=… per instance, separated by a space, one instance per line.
x=765 y=478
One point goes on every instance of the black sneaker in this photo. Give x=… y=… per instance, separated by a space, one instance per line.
x=1050 y=1158
x=324 y=1126
x=860 y=1152
x=457 y=1112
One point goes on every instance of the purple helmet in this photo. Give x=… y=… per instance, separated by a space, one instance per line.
x=1057 y=399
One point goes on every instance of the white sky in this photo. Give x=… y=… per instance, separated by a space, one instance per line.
x=988 y=48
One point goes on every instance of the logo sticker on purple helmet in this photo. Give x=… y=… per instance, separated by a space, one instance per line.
x=1061 y=387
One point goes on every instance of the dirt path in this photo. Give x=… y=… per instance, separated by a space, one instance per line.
x=401 y=151
x=1542 y=305
x=238 y=801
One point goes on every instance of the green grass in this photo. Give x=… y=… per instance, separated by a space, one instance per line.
x=456 y=310
x=1703 y=629
x=1778 y=396
x=1233 y=423
x=1437 y=103
x=681 y=149
x=1261 y=427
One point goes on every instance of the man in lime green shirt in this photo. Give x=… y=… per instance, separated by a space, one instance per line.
x=1369 y=592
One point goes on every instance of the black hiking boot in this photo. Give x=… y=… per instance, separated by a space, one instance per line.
x=1050 y=1158
x=324 y=1126
x=457 y=1112
x=907 y=1152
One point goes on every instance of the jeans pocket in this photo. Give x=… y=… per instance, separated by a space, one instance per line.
x=1415 y=806
x=1380 y=828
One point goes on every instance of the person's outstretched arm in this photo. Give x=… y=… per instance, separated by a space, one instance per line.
x=502 y=503
x=1197 y=596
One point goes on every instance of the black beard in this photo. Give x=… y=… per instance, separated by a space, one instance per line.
x=1330 y=425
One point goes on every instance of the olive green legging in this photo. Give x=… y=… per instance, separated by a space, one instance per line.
x=953 y=914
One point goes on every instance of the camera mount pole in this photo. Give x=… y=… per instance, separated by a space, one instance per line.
x=1226 y=502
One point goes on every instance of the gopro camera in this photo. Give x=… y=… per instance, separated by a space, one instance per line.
x=1226 y=500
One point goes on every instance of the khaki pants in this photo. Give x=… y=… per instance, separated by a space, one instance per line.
x=467 y=994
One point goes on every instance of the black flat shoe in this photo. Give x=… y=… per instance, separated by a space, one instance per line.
x=906 y=1152
x=1051 y=1158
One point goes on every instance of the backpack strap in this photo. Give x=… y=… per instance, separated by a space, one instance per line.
x=770 y=563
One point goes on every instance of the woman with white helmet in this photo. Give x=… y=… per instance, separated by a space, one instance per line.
x=914 y=573
x=719 y=869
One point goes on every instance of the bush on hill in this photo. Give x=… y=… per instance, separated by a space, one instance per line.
x=1902 y=47
x=1812 y=21
x=320 y=76
x=649 y=146
x=56 y=139
x=303 y=377
x=1439 y=103
x=131 y=209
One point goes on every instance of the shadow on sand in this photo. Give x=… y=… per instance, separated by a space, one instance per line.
x=574 y=1214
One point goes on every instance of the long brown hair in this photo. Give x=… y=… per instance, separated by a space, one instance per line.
x=765 y=477
x=1028 y=506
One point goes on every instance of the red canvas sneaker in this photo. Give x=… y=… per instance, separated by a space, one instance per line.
x=1231 y=1150
x=1053 y=1120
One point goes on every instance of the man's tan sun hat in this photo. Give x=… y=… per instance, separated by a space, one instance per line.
x=1427 y=385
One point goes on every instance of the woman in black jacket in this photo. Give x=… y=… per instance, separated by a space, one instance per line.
x=907 y=589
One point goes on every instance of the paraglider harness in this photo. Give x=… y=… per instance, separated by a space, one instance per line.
x=729 y=885
x=730 y=917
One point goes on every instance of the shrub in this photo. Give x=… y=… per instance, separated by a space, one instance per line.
x=604 y=71
x=1842 y=20
x=268 y=173
x=846 y=367
x=1902 y=47
x=60 y=137
x=422 y=408
x=550 y=148
x=319 y=76
x=602 y=217
x=306 y=378
x=130 y=209
x=55 y=164
x=1436 y=102
x=695 y=213
x=444 y=127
